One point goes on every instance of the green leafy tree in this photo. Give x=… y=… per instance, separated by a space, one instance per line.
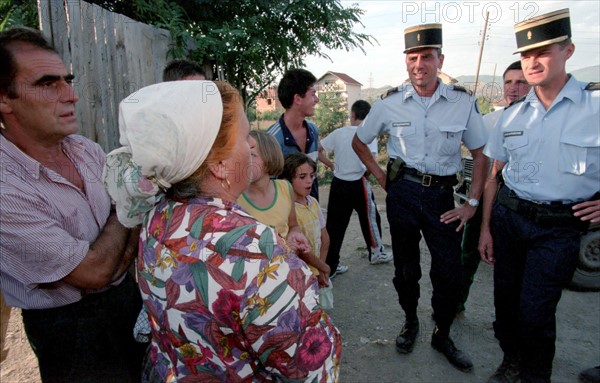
x=331 y=112
x=484 y=104
x=251 y=42
x=15 y=12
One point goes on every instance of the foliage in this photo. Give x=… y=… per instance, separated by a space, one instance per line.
x=251 y=113
x=251 y=42
x=484 y=104
x=271 y=114
x=331 y=112
x=18 y=12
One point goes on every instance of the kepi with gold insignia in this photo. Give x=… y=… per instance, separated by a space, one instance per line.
x=549 y=28
x=422 y=36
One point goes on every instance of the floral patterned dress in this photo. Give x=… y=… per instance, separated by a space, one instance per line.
x=228 y=302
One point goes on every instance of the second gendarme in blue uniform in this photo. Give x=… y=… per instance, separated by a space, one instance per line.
x=426 y=121
x=547 y=146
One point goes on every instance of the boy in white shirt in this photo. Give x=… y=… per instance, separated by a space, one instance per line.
x=350 y=190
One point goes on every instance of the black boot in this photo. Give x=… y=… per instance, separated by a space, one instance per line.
x=442 y=343
x=507 y=372
x=405 y=342
x=591 y=375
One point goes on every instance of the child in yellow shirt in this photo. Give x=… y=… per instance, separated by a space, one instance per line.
x=301 y=171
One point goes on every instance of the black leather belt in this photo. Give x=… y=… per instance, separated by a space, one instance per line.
x=548 y=214
x=428 y=180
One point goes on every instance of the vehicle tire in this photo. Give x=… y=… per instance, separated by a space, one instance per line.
x=587 y=274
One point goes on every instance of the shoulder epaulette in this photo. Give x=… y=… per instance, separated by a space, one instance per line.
x=462 y=89
x=390 y=92
x=515 y=102
x=593 y=86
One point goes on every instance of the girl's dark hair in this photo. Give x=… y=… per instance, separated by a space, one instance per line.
x=293 y=162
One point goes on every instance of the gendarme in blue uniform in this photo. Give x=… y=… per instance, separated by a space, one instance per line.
x=552 y=160
x=289 y=145
x=427 y=134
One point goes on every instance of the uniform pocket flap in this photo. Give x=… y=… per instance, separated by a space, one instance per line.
x=403 y=131
x=583 y=140
x=452 y=128
x=512 y=142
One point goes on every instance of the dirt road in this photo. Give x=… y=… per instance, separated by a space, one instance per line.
x=367 y=312
x=368 y=315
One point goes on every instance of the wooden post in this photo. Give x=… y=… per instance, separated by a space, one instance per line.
x=480 y=53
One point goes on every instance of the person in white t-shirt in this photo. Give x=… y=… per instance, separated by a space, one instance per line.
x=350 y=190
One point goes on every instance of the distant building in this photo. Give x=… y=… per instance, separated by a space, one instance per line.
x=340 y=83
x=267 y=100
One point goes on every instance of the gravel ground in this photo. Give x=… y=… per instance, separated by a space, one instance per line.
x=367 y=313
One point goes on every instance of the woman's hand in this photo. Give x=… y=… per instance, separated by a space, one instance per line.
x=297 y=242
x=323 y=281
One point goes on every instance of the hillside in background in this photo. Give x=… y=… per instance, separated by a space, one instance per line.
x=587 y=74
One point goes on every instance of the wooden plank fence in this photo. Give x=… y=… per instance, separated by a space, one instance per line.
x=111 y=57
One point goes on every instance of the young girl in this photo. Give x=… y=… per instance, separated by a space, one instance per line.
x=272 y=201
x=301 y=171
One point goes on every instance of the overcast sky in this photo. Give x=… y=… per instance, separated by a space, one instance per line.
x=462 y=23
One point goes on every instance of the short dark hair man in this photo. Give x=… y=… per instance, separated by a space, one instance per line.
x=64 y=253
x=426 y=121
x=183 y=69
x=297 y=93
x=548 y=150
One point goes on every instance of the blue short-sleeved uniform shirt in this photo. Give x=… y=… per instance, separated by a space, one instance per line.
x=426 y=132
x=554 y=154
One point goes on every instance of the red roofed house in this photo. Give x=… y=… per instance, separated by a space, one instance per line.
x=342 y=83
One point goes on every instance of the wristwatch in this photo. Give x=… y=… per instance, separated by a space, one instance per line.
x=473 y=202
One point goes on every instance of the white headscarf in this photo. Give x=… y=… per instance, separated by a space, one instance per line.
x=167 y=131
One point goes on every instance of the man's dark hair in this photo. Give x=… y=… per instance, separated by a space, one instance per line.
x=294 y=82
x=360 y=108
x=514 y=66
x=8 y=66
x=180 y=68
x=294 y=161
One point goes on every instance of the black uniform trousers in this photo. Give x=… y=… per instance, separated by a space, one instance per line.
x=90 y=341
x=533 y=264
x=413 y=209
x=345 y=197
x=470 y=257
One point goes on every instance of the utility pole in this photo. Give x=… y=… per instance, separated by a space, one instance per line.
x=370 y=97
x=492 y=95
x=480 y=53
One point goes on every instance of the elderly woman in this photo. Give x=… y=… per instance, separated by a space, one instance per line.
x=226 y=299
